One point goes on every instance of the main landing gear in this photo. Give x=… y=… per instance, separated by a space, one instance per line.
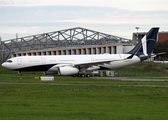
x=81 y=75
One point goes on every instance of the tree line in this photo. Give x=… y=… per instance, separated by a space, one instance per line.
x=159 y=47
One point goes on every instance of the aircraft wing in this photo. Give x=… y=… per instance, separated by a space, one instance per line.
x=98 y=63
x=88 y=64
x=95 y=63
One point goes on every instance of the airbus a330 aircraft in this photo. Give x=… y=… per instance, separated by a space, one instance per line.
x=82 y=65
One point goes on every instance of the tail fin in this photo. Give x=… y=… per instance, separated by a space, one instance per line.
x=145 y=46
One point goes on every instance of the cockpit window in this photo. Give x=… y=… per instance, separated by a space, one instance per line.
x=10 y=61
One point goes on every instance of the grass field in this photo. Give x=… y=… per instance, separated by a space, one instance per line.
x=84 y=102
x=143 y=70
x=74 y=102
x=75 y=80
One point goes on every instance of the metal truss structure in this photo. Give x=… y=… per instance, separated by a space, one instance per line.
x=74 y=37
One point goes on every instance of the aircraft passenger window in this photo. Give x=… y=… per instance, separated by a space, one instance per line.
x=9 y=61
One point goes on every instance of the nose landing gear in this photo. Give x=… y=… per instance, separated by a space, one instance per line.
x=19 y=72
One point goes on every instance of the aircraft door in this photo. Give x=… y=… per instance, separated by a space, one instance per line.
x=92 y=59
x=19 y=61
x=43 y=60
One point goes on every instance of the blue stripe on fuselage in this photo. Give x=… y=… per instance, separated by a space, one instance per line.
x=36 y=68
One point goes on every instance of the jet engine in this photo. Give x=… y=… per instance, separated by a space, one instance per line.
x=67 y=70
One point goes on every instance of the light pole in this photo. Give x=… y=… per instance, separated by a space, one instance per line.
x=137 y=34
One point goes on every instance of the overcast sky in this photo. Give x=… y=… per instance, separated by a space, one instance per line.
x=115 y=17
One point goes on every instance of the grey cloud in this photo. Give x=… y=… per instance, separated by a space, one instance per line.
x=101 y=18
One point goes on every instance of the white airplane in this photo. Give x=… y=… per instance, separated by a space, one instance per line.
x=82 y=65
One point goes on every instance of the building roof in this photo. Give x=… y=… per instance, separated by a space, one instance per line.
x=163 y=36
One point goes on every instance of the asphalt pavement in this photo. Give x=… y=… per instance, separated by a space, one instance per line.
x=134 y=79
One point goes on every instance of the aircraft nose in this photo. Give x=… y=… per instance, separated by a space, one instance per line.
x=6 y=65
x=3 y=65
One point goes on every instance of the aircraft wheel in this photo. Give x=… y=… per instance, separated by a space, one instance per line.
x=78 y=75
x=73 y=75
x=88 y=75
x=82 y=75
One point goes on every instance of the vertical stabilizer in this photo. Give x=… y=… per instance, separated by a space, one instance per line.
x=146 y=44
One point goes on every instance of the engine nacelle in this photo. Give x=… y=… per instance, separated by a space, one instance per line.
x=67 y=70
x=50 y=73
